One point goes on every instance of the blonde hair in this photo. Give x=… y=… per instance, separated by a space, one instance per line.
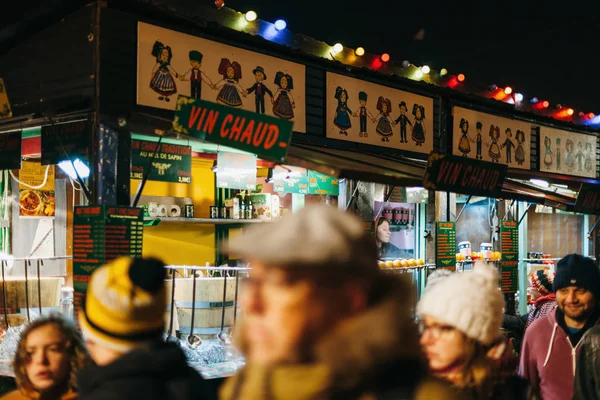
x=74 y=346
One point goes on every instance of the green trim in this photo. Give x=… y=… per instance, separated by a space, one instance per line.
x=197 y=146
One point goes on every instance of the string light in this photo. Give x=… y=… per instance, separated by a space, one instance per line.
x=425 y=69
x=534 y=100
x=591 y=115
x=460 y=77
x=385 y=57
x=337 y=48
x=359 y=51
x=443 y=72
x=507 y=90
x=405 y=64
x=545 y=104
x=493 y=87
x=570 y=111
x=518 y=97
x=251 y=16
x=280 y=24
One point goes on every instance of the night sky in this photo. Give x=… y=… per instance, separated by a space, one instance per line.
x=549 y=54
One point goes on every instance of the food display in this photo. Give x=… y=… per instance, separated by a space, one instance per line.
x=401 y=263
x=36 y=203
x=475 y=256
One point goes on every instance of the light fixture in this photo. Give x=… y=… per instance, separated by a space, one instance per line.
x=337 y=48
x=425 y=69
x=591 y=115
x=251 y=16
x=507 y=90
x=545 y=104
x=80 y=169
x=570 y=111
x=534 y=100
x=418 y=74
x=518 y=97
x=359 y=51
x=493 y=87
x=214 y=166
x=280 y=24
x=405 y=64
x=460 y=77
x=269 y=176
x=443 y=72
x=385 y=57
x=539 y=182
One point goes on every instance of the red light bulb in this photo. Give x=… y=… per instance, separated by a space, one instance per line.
x=545 y=104
x=461 y=77
x=385 y=57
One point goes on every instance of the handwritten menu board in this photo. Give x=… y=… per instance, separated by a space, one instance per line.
x=445 y=245
x=509 y=239
x=101 y=234
x=10 y=150
x=171 y=163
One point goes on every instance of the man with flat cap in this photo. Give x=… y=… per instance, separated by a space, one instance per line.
x=195 y=75
x=259 y=89
x=320 y=320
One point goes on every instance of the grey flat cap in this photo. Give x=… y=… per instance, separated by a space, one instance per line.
x=317 y=235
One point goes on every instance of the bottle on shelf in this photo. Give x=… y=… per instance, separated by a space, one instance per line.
x=242 y=205
x=249 y=209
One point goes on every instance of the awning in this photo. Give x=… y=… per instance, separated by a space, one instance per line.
x=357 y=166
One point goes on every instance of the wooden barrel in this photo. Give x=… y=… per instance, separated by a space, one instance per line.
x=208 y=304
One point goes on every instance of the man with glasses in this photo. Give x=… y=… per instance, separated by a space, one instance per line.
x=320 y=320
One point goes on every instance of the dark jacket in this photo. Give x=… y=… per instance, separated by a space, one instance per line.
x=587 y=375
x=160 y=373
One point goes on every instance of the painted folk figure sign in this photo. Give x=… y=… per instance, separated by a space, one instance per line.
x=565 y=152
x=172 y=63
x=490 y=138
x=364 y=112
x=267 y=137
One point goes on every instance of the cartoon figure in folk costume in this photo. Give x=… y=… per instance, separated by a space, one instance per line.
x=548 y=152
x=403 y=121
x=384 y=126
x=195 y=75
x=260 y=89
x=363 y=113
x=163 y=75
x=588 y=157
x=464 y=144
x=479 y=140
x=570 y=161
x=418 y=128
x=342 y=112
x=509 y=145
x=520 y=151
x=229 y=87
x=558 y=154
x=579 y=156
x=284 y=103
x=494 y=150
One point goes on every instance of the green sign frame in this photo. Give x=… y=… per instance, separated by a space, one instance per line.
x=445 y=245
x=172 y=162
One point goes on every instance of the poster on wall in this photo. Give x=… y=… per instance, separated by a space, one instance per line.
x=364 y=112
x=172 y=63
x=567 y=152
x=35 y=200
x=491 y=138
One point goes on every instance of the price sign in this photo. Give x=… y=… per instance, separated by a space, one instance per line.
x=172 y=162
x=445 y=245
x=509 y=239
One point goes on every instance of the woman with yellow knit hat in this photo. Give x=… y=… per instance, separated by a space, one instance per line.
x=122 y=321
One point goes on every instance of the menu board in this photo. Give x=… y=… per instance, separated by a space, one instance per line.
x=288 y=179
x=101 y=234
x=319 y=183
x=71 y=137
x=236 y=171
x=445 y=245
x=10 y=150
x=171 y=163
x=509 y=240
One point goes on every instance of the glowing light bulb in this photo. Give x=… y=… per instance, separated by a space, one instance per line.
x=591 y=115
x=251 y=16
x=534 y=100
x=507 y=90
x=545 y=104
x=418 y=74
x=337 y=48
x=280 y=24
x=518 y=97
x=359 y=51
x=461 y=77
x=570 y=111
x=425 y=69
x=385 y=57
x=443 y=72
x=405 y=64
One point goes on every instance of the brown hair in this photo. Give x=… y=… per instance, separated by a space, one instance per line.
x=75 y=348
x=480 y=372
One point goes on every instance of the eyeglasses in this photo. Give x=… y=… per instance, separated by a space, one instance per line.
x=436 y=331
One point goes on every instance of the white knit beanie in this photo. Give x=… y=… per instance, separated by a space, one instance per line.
x=469 y=301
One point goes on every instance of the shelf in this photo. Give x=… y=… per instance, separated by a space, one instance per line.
x=149 y=221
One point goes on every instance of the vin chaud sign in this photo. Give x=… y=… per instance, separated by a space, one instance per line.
x=464 y=175
x=267 y=137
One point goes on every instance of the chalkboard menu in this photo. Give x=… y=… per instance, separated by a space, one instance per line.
x=509 y=265
x=10 y=150
x=445 y=245
x=171 y=163
x=101 y=234
x=71 y=137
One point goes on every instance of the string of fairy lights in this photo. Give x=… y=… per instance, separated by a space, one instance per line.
x=248 y=22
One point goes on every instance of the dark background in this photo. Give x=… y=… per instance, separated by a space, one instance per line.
x=549 y=52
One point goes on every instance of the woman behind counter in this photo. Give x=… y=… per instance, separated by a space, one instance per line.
x=387 y=250
x=49 y=355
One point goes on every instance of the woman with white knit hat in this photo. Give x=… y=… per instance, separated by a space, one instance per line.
x=461 y=318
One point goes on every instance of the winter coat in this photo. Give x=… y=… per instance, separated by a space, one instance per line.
x=517 y=325
x=548 y=357
x=159 y=373
x=587 y=376
x=374 y=355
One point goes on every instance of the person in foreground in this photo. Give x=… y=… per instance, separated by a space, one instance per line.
x=49 y=355
x=122 y=322
x=551 y=343
x=461 y=318
x=321 y=321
